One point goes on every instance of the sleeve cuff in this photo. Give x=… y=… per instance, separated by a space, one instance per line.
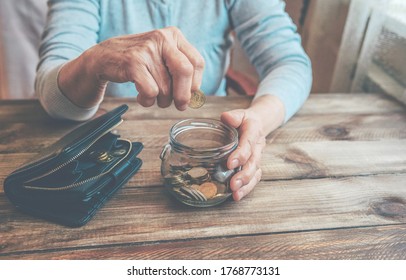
x=57 y=104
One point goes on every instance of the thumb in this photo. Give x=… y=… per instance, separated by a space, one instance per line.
x=233 y=118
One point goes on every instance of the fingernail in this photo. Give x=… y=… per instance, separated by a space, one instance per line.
x=235 y=163
x=238 y=183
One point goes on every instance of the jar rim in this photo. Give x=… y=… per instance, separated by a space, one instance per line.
x=208 y=123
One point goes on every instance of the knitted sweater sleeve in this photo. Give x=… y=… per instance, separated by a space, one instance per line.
x=72 y=28
x=269 y=37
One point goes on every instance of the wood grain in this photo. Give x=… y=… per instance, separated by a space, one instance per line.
x=154 y=133
x=371 y=243
x=283 y=161
x=150 y=215
x=333 y=188
x=31 y=111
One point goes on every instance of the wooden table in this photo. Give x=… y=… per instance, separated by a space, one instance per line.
x=334 y=187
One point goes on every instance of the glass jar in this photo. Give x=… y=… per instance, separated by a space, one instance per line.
x=194 y=162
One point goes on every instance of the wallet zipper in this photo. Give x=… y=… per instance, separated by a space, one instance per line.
x=74 y=185
x=73 y=158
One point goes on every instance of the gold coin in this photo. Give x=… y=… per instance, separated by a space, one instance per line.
x=195 y=186
x=197 y=100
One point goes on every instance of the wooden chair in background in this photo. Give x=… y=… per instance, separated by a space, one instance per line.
x=372 y=56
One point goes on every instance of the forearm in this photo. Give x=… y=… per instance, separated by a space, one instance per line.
x=270 y=111
x=291 y=83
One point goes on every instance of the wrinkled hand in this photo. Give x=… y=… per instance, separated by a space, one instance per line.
x=161 y=63
x=249 y=150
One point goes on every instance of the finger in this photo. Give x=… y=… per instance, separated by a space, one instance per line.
x=146 y=86
x=164 y=101
x=181 y=71
x=246 y=174
x=195 y=58
x=233 y=118
x=243 y=191
x=162 y=78
x=250 y=137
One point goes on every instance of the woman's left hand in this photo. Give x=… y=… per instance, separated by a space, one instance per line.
x=265 y=114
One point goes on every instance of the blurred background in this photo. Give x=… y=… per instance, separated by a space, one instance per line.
x=354 y=45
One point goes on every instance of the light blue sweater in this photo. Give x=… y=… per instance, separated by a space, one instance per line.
x=265 y=31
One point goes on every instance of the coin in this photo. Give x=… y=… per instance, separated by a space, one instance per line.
x=195 y=194
x=221 y=188
x=197 y=99
x=208 y=189
x=197 y=172
x=119 y=152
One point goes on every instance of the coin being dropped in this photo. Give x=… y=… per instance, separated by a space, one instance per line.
x=197 y=99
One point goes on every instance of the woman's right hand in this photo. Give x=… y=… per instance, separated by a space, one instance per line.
x=161 y=63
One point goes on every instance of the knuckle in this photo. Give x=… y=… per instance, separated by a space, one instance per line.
x=159 y=34
x=149 y=91
x=150 y=46
x=246 y=178
x=173 y=29
x=244 y=155
x=199 y=63
x=185 y=69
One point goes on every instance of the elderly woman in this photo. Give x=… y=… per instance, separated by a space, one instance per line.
x=162 y=50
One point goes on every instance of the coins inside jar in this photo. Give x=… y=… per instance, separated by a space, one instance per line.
x=196 y=185
x=194 y=162
x=197 y=99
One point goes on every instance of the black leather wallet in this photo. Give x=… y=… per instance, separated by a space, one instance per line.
x=69 y=181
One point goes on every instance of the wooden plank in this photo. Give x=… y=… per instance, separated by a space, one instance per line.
x=339 y=103
x=137 y=215
x=307 y=160
x=283 y=161
x=372 y=243
x=154 y=133
x=31 y=111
